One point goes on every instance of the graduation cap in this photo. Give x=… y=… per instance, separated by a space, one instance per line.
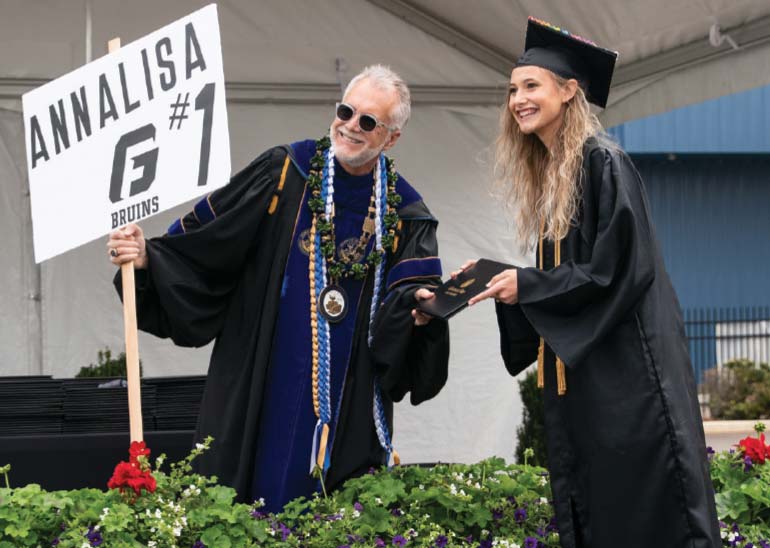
x=569 y=56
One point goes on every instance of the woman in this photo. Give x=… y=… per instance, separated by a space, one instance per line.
x=626 y=449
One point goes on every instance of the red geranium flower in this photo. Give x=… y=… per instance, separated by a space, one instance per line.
x=755 y=448
x=137 y=449
x=131 y=474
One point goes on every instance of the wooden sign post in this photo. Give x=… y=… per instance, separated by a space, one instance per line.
x=129 y=328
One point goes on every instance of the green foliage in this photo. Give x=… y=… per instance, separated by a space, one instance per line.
x=185 y=508
x=531 y=432
x=443 y=506
x=106 y=366
x=740 y=390
x=421 y=505
x=743 y=493
x=424 y=506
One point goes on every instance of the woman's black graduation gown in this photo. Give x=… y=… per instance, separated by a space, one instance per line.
x=626 y=449
x=221 y=278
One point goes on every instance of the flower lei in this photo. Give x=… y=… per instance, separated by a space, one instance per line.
x=323 y=265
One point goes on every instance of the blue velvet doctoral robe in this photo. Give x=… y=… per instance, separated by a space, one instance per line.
x=233 y=270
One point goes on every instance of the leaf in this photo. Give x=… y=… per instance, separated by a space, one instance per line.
x=731 y=504
x=17 y=530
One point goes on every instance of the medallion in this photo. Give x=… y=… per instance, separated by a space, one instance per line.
x=303 y=242
x=333 y=303
x=350 y=251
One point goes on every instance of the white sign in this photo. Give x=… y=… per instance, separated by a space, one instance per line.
x=129 y=135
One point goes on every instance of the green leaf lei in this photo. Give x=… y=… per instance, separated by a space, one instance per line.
x=325 y=226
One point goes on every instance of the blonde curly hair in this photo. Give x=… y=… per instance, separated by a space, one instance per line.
x=541 y=185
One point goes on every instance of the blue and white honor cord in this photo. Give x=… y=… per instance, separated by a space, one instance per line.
x=324 y=338
x=378 y=408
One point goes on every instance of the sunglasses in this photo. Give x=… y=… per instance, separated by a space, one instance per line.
x=366 y=122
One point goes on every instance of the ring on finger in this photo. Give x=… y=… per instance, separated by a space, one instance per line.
x=114 y=252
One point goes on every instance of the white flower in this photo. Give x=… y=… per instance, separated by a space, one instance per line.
x=356 y=513
x=477 y=485
x=378 y=500
x=199 y=446
x=543 y=481
x=158 y=513
x=177 y=531
x=724 y=534
x=105 y=511
x=422 y=487
x=462 y=492
x=543 y=500
x=152 y=544
x=453 y=489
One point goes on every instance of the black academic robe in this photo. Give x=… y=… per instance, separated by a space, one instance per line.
x=218 y=275
x=626 y=449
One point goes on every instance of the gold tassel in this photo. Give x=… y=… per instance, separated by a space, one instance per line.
x=541 y=348
x=561 y=377
x=541 y=364
x=322 y=447
x=396 y=458
x=561 y=374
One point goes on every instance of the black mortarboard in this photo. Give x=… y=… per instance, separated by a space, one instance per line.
x=569 y=56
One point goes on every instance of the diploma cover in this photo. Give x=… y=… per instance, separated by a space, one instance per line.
x=453 y=295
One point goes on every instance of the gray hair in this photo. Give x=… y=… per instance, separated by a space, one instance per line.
x=385 y=78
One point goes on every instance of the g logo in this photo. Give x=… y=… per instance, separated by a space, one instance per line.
x=148 y=161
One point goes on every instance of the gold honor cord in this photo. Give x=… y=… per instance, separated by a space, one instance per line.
x=313 y=319
x=314 y=333
x=561 y=374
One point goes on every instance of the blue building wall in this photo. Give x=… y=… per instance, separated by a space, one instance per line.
x=738 y=123
x=707 y=172
x=712 y=219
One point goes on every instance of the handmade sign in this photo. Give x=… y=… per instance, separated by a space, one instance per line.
x=127 y=136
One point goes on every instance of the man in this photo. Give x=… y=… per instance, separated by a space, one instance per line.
x=306 y=269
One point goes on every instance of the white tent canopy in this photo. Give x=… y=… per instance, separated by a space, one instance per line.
x=285 y=62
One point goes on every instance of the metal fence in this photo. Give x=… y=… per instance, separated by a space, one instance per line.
x=719 y=335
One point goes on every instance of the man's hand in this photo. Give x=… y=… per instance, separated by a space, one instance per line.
x=421 y=318
x=127 y=244
x=504 y=288
x=466 y=265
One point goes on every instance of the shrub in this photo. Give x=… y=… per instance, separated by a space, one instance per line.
x=531 y=432
x=740 y=389
x=106 y=366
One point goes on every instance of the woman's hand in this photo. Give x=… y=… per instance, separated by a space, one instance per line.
x=127 y=244
x=420 y=318
x=504 y=288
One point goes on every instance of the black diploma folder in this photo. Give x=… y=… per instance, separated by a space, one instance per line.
x=453 y=295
